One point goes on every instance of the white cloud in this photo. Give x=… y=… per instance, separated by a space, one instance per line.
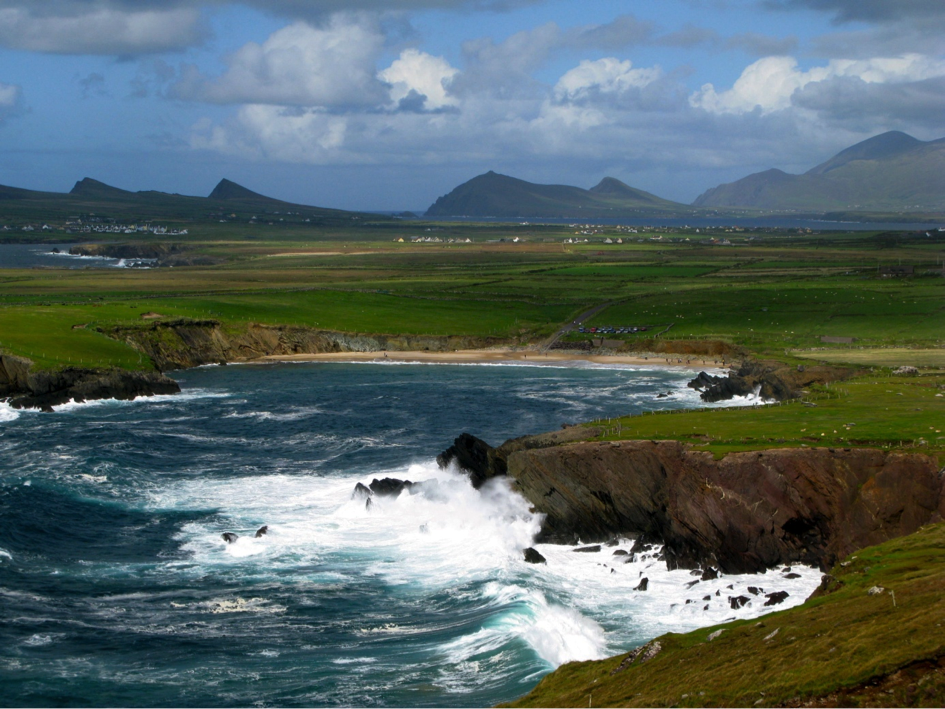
x=270 y=132
x=423 y=75
x=769 y=83
x=11 y=100
x=605 y=76
x=298 y=65
x=94 y=28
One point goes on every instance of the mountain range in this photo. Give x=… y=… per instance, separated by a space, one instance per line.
x=889 y=173
x=494 y=195
x=227 y=200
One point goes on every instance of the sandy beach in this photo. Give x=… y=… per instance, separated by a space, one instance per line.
x=497 y=356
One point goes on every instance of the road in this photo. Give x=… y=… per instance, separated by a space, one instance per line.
x=576 y=323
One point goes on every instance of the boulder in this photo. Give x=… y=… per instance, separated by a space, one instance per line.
x=776 y=598
x=710 y=574
x=229 y=537
x=532 y=556
x=703 y=381
x=262 y=531
x=474 y=456
x=737 y=602
x=389 y=487
x=588 y=549
x=362 y=492
x=643 y=585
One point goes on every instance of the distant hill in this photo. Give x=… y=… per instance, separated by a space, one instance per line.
x=89 y=188
x=892 y=172
x=494 y=195
x=228 y=200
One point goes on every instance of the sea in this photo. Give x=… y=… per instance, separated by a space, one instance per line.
x=117 y=588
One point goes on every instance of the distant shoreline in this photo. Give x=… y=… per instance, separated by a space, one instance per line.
x=496 y=356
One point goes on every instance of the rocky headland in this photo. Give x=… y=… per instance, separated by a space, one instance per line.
x=27 y=388
x=744 y=513
x=185 y=343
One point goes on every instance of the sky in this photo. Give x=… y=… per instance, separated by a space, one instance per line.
x=388 y=104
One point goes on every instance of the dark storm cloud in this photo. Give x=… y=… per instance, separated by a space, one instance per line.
x=873 y=11
x=139 y=27
x=851 y=100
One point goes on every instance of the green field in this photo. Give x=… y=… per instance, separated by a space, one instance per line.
x=771 y=292
x=879 y=357
x=889 y=412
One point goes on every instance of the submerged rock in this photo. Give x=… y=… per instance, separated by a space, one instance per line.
x=262 y=531
x=588 y=550
x=643 y=585
x=229 y=537
x=533 y=556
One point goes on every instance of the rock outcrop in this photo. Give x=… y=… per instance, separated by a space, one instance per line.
x=44 y=389
x=744 y=513
x=184 y=343
x=770 y=381
x=482 y=462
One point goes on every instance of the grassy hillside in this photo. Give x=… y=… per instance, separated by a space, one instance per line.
x=845 y=647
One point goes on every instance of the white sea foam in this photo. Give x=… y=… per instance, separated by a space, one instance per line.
x=38 y=640
x=5 y=555
x=449 y=537
x=191 y=395
x=8 y=413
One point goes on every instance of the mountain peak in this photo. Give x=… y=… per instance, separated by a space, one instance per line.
x=227 y=189
x=87 y=187
x=879 y=147
x=611 y=185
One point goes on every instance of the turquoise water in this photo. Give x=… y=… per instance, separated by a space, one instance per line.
x=116 y=588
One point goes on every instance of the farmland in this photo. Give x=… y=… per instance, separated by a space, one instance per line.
x=772 y=293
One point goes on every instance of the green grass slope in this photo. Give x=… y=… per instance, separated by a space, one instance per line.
x=843 y=647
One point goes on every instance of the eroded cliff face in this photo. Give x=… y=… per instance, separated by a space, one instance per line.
x=744 y=513
x=181 y=344
x=47 y=388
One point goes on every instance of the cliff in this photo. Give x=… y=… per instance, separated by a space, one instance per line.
x=744 y=513
x=44 y=389
x=180 y=344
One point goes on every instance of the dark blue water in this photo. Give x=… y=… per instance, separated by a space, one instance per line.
x=42 y=256
x=117 y=590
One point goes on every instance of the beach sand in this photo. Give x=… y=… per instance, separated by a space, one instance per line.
x=497 y=356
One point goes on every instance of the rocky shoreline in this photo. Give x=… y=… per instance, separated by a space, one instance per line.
x=185 y=343
x=744 y=513
x=25 y=388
